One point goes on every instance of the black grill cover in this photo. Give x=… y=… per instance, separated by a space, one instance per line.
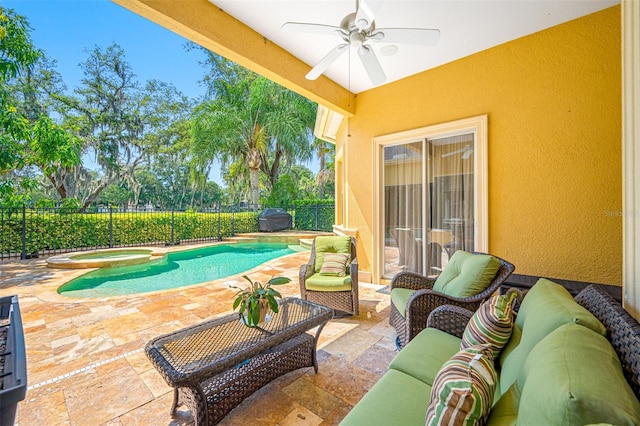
x=274 y=220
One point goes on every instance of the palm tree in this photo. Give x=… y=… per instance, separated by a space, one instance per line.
x=252 y=119
x=323 y=148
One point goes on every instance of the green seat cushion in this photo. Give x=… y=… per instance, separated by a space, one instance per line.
x=467 y=274
x=400 y=297
x=319 y=282
x=330 y=244
x=397 y=399
x=545 y=307
x=574 y=377
x=425 y=354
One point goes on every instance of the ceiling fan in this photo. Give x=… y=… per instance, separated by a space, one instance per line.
x=356 y=30
x=466 y=152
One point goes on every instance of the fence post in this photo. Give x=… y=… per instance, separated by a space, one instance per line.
x=173 y=241
x=317 y=226
x=219 y=219
x=233 y=220
x=110 y=226
x=23 y=255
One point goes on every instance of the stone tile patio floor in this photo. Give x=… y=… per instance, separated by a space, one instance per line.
x=86 y=362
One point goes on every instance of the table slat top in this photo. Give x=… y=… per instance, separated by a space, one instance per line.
x=203 y=350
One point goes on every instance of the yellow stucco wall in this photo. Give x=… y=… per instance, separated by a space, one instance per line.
x=554 y=106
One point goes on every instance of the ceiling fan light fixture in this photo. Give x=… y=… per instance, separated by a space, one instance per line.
x=363 y=24
x=389 y=50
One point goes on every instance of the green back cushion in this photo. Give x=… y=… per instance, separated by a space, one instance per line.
x=467 y=274
x=580 y=386
x=505 y=410
x=331 y=244
x=549 y=306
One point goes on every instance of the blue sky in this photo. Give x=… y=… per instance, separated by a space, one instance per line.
x=67 y=29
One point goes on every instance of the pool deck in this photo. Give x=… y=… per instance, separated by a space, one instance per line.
x=86 y=363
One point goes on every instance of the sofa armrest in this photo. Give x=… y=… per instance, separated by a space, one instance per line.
x=450 y=319
x=412 y=281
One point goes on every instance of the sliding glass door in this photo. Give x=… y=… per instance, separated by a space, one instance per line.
x=428 y=202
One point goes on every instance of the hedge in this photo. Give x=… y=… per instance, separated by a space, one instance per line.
x=51 y=230
x=47 y=230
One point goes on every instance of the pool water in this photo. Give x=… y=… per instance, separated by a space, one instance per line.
x=177 y=269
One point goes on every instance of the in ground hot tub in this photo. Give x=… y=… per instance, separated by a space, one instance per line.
x=107 y=258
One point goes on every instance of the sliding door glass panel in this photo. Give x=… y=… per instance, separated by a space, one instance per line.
x=404 y=233
x=450 y=174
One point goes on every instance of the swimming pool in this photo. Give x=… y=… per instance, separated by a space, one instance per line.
x=177 y=269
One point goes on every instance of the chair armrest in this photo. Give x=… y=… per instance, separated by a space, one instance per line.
x=450 y=319
x=353 y=268
x=423 y=302
x=412 y=281
x=306 y=271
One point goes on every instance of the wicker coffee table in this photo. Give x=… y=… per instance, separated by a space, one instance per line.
x=215 y=365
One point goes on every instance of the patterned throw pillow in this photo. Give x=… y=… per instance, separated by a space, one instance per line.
x=334 y=264
x=491 y=324
x=463 y=390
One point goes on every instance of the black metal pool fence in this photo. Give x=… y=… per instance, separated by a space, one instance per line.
x=33 y=232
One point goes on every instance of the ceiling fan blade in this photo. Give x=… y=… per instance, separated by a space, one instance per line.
x=467 y=150
x=421 y=36
x=366 y=13
x=325 y=62
x=371 y=65
x=302 y=27
x=449 y=154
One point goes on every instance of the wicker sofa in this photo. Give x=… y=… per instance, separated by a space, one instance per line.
x=557 y=367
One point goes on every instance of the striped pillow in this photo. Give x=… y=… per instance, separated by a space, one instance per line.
x=491 y=324
x=334 y=264
x=463 y=390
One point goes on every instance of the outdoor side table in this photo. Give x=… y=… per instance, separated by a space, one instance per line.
x=215 y=365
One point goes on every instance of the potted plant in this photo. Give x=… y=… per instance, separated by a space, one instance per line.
x=257 y=299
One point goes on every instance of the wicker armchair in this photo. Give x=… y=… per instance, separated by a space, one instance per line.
x=345 y=301
x=425 y=300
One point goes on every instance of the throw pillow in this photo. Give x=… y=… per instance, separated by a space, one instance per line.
x=491 y=324
x=463 y=390
x=334 y=264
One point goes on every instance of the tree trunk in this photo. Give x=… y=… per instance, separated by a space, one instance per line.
x=254 y=162
x=92 y=197
x=255 y=187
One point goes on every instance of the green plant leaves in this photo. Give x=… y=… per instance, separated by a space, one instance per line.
x=249 y=299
